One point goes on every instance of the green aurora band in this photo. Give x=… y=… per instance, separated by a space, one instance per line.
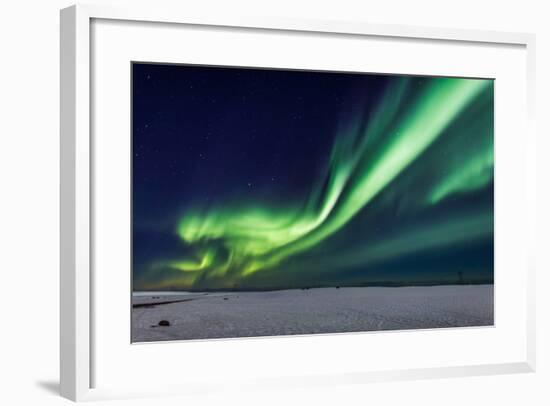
x=427 y=142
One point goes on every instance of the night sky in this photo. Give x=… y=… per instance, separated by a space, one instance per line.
x=270 y=179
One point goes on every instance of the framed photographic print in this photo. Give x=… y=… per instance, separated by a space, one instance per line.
x=262 y=192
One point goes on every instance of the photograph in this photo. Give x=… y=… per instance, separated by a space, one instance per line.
x=276 y=202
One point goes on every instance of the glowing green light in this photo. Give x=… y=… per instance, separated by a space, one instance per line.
x=364 y=161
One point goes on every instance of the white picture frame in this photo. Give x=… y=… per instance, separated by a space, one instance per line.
x=77 y=220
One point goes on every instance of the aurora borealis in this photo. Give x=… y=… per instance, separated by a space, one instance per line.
x=270 y=179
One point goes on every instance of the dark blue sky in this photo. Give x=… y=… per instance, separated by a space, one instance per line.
x=211 y=138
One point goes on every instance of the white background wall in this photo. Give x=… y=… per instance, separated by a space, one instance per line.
x=29 y=203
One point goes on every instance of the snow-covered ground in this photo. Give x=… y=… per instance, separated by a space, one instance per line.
x=324 y=310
